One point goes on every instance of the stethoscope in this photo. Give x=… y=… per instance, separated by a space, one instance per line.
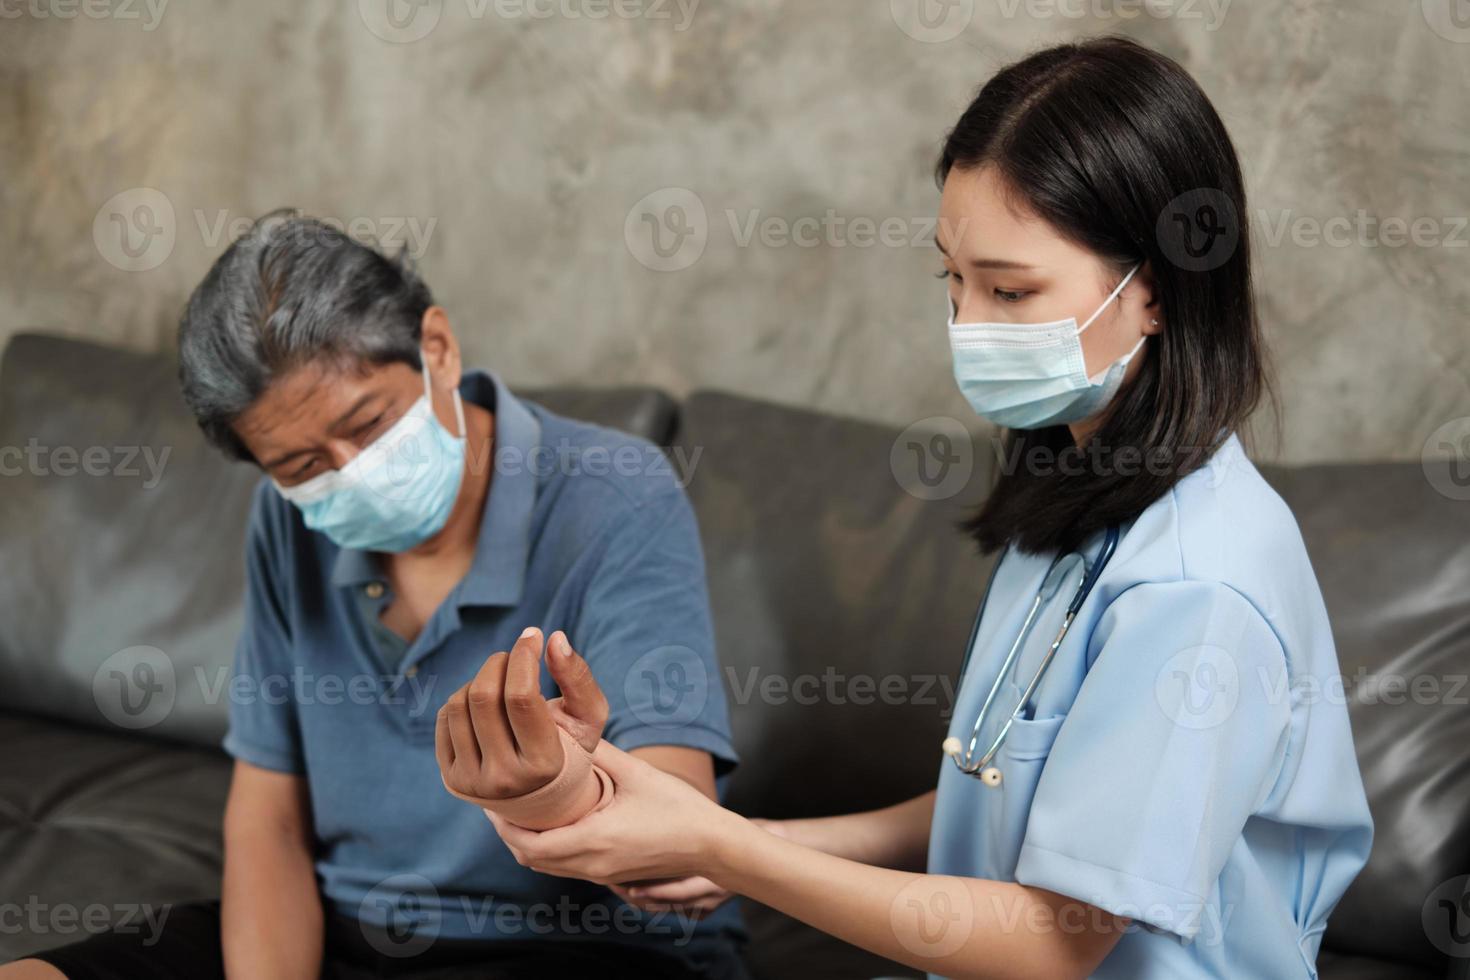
x=984 y=767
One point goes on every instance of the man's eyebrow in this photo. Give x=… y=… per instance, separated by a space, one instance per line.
x=280 y=460
x=356 y=407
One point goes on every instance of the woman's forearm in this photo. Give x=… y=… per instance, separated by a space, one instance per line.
x=958 y=927
x=893 y=837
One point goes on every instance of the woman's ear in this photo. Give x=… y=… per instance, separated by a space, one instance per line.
x=440 y=349
x=1153 y=316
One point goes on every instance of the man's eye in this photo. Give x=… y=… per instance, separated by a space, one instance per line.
x=305 y=470
x=1011 y=295
x=370 y=428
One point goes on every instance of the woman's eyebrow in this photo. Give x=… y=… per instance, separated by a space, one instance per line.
x=983 y=263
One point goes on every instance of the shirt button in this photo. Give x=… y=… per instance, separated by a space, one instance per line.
x=374 y=590
x=411 y=672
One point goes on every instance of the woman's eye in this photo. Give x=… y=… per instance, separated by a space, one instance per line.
x=946 y=274
x=1011 y=295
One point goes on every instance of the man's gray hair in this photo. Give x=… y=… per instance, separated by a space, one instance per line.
x=291 y=291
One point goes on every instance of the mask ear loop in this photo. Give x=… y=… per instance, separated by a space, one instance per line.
x=429 y=396
x=1111 y=296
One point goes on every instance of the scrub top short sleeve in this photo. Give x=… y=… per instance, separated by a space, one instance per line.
x=1176 y=737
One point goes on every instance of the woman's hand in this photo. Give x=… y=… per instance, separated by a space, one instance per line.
x=656 y=827
x=496 y=738
x=694 y=897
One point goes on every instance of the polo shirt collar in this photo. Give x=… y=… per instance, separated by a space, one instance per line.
x=497 y=577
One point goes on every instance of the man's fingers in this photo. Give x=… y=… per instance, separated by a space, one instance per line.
x=485 y=697
x=678 y=892
x=535 y=732
x=443 y=744
x=581 y=697
x=456 y=715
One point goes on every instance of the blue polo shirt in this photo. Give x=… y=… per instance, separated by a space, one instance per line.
x=586 y=530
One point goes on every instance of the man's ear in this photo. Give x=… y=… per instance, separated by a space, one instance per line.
x=440 y=349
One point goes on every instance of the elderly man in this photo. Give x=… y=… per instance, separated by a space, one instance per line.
x=415 y=519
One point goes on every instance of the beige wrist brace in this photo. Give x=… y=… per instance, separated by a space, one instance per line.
x=579 y=789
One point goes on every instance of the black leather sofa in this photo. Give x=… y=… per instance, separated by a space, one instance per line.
x=821 y=566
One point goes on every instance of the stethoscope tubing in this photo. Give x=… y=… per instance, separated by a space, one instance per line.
x=965 y=763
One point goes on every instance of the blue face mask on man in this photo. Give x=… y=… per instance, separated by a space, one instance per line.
x=397 y=492
x=1032 y=375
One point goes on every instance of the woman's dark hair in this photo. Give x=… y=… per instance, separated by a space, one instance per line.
x=290 y=291
x=1118 y=149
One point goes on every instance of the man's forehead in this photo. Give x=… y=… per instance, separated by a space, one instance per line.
x=314 y=396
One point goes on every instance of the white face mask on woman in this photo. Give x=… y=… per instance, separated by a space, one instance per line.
x=1032 y=375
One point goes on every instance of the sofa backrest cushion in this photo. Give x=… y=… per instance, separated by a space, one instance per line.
x=121 y=533
x=842 y=601
x=1392 y=554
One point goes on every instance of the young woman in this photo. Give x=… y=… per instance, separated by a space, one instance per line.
x=1137 y=785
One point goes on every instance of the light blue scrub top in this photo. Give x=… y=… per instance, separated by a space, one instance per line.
x=1188 y=763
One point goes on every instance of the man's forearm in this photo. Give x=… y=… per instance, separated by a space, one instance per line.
x=272 y=912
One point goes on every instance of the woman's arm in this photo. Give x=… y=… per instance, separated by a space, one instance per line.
x=894 y=837
x=271 y=913
x=658 y=827
x=954 y=926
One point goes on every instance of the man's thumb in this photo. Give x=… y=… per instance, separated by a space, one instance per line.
x=580 y=695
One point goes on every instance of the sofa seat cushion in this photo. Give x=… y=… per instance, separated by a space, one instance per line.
x=97 y=828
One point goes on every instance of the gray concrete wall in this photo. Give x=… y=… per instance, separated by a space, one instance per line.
x=513 y=145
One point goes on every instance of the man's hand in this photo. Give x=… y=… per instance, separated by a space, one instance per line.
x=496 y=737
